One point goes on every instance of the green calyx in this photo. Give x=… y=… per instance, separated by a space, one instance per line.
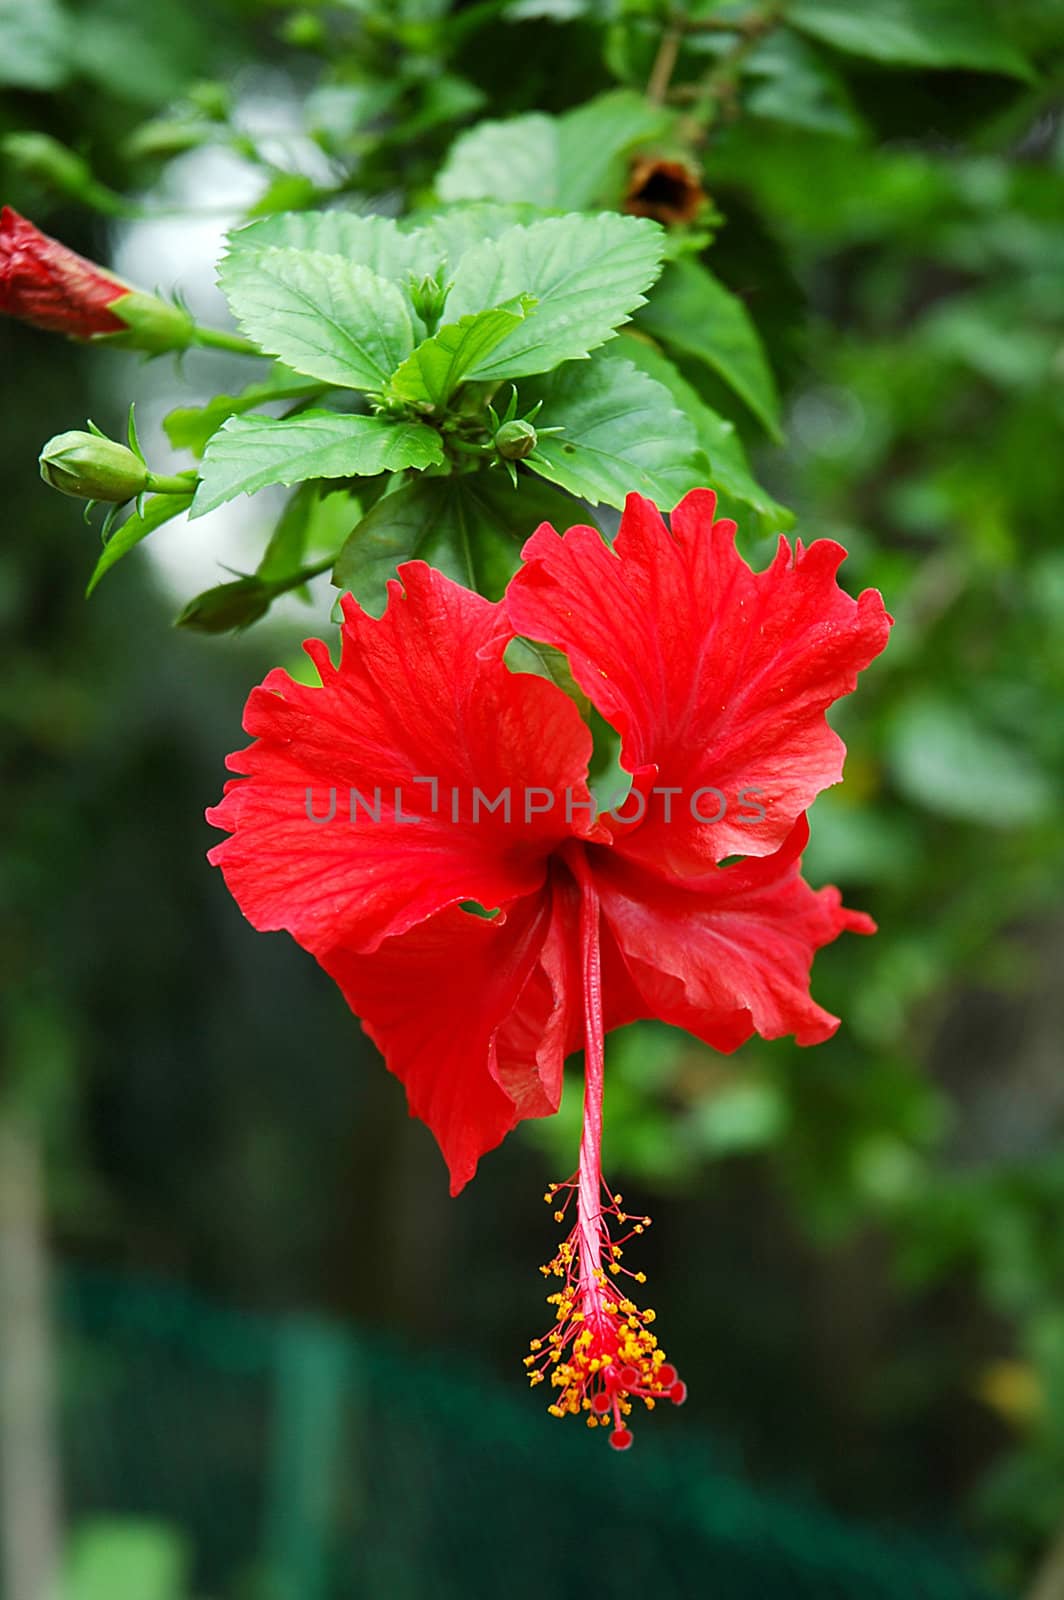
x=151 y=324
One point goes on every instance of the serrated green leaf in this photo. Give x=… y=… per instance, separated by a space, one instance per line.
x=446 y=235
x=919 y=33
x=159 y=509
x=190 y=427
x=322 y=314
x=374 y=242
x=248 y=453
x=729 y=471
x=567 y=163
x=470 y=527
x=588 y=275
x=691 y=312
x=621 y=433
x=435 y=369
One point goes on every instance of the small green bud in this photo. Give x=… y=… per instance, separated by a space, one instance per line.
x=516 y=440
x=429 y=297
x=151 y=324
x=228 y=607
x=93 y=468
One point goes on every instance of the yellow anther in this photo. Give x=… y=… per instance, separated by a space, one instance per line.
x=559 y=1216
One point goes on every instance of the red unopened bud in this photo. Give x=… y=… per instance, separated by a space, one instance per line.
x=44 y=283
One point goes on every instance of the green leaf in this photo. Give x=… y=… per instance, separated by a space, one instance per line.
x=587 y=274
x=374 y=242
x=918 y=33
x=470 y=527
x=433 y=372
x=594 y=140
x=159 y=509
x=797 y=87
x=34 y=44
x=942 y=758
x=323 y=315
x=566 y=163
x=621 y=433
x=248 y=453
x=728 y=469
x=691 y=312
x=446 y=235
x=190 y=427
x=316 y=518
x=512 y=160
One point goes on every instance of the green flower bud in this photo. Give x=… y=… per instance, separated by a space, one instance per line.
x=429 y=297
x=516 y=440
x=229 y=607
x=93 y=468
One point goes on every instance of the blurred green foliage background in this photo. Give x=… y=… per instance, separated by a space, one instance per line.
x=858 y=1252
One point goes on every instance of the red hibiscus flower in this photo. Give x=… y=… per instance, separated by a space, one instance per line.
x=424 y=780
x=43 y=282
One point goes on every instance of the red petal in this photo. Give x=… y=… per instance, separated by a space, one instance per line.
x=421 y=692
x=43 y=282
x=730 y=955
x=716 y=677
x=464 y=1016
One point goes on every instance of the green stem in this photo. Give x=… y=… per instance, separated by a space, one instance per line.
x=216 y=339
x=182 y=483
x=466 y=448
